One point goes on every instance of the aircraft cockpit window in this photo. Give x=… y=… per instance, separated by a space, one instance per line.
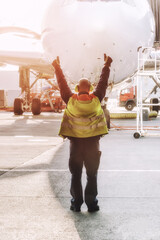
x=129 y=2
x=66 y=2
x=99 y=0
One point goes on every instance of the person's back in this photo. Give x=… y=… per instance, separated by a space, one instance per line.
x=83 y=124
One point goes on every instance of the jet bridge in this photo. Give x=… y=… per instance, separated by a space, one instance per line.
x=155 y=5
x=148 y=67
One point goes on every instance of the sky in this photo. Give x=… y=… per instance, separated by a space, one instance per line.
x=21 y=13
x=26 y=13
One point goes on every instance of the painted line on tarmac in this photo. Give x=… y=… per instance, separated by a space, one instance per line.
x=23 y=136
x=66 y=170
x=34 y=170
x=129 y=170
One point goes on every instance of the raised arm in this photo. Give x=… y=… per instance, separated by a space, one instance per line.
x=102 y=85
x=65 y=91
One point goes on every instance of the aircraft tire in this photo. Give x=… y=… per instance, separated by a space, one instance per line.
x=129 y=106
x=18 y=106
x=36 y=106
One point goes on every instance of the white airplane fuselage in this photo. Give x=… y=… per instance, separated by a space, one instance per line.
x=81 y=31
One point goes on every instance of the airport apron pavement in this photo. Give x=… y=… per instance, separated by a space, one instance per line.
x=35 y=183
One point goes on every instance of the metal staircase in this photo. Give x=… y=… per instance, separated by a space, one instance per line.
x=148 y=67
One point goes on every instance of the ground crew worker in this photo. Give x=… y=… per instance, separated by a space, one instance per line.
x=83 y=124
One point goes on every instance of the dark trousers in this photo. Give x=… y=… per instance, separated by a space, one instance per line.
x=84 y=151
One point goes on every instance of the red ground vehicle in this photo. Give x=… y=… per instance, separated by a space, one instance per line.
x=48 y=100
x=52 y=101
x=127 y=98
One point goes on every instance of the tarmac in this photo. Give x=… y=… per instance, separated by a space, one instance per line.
x=35 y=183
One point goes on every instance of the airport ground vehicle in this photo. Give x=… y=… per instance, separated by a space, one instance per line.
x=127 y=98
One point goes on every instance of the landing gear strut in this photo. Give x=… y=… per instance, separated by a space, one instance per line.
x=25 y=104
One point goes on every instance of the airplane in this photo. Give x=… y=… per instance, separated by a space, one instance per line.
x=80 y=32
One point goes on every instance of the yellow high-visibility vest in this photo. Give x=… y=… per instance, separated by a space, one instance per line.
x=83 y=118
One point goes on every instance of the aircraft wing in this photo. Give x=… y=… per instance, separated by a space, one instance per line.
x=32 y=60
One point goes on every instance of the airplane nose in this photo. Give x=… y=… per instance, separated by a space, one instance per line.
x=81 y=31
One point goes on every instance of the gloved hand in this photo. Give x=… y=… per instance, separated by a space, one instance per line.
x=56 y=62
x=108 y=60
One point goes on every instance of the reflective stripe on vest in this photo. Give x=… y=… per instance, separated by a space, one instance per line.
x=101 y=124
x=76 y=119
x=83 y=119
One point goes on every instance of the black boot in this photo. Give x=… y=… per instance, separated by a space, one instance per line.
x=93 y=208
x=75 y=207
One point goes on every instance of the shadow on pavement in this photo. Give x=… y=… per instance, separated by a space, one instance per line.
x=40 y=125
x=90 y=226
